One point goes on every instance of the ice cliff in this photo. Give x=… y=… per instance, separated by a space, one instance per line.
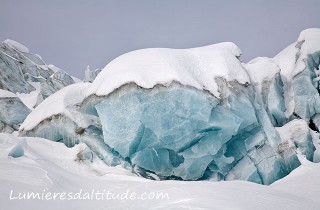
x=193 y=114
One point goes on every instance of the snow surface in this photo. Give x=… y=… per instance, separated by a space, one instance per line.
x=76 y=79
x=303 y=182
x=311 y=43
x=262 y=69
x=7 y=94
x=30 y=99
x=292 y=60
x=16 y=45
x=57 y=103
x=308 y=43
x=48 y=166
x=53 y=68
x=286 y=60
x=56 y=69
x=197 y=67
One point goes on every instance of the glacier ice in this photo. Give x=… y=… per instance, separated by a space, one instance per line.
x=25 y=81
x=91 y=74
x=55 y=82
x=16 y=151
x=195 y=113
x=12 y=111
x=25 y=73
x=20 y=67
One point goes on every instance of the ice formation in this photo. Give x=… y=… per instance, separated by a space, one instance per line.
x=91 y=74
x=12 y=111
x=27 y=75
x=17 y=150
x=194 y=114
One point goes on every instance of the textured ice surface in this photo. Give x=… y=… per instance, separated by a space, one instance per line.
x=91 y=74
x=296 y=133
x=195 y=113
x=25 y=80
x=16 y=45
x=55 y=82
x=189 y=134
x=27 y=75
x=16 y=151
x=265 y=77
x=12 y=111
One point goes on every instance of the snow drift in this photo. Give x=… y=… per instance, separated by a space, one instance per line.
x=37 y=165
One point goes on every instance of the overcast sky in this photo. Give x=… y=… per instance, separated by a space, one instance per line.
x=76 y=33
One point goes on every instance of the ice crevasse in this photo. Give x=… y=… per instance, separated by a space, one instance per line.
x=194 y=114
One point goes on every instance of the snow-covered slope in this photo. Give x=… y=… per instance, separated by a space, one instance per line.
x=293 y=59
x=50 y=167
x=58 y=103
